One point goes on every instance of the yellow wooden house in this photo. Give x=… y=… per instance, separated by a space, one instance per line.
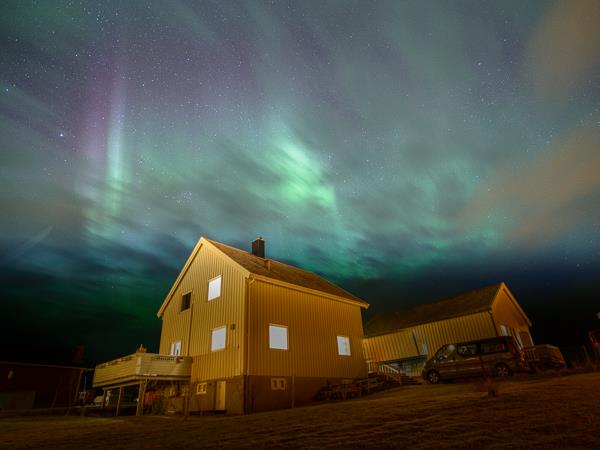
x=406 y=339
x=261 y=334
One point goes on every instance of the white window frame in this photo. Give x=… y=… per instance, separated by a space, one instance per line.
x=214 y=294
x=201 y=388
x=275 y=326
x=212 y=339
x=343 y=343
x=175 y=348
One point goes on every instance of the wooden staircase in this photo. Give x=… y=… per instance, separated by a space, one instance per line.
x=392 y=373
x=383 y=377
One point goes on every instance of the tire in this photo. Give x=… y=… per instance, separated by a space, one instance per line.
x=433 y=377
x=502 y=370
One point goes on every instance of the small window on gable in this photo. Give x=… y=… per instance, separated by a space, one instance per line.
x=218 y=339
x=343 y=343
x=214 y=288
x=201 y=388
x=278 y=337
x=186 y=301
x=176 y=348
x=278 y=384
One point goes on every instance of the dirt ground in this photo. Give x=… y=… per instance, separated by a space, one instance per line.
x=558 y=412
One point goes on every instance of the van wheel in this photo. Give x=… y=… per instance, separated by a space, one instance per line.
x=501 y=370
x=433 y=377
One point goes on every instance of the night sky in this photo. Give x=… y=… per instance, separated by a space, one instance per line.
x=407 y=151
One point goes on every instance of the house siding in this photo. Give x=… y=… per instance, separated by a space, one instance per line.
x=506 y=313
x=408 y=342
x=226 y=310
x=313 y=322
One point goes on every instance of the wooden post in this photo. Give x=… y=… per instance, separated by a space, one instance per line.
x=141 y=394
x=119 y=400
x=83 y=402
x=293 y=391
x=587 y=356
x=75 y=395
x=103 y=398
x=186 y=407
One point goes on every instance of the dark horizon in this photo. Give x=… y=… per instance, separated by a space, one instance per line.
x=543 y=302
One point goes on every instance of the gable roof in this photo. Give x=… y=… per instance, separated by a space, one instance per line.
x=279 y=271
x=472 y=302
x=266 y=269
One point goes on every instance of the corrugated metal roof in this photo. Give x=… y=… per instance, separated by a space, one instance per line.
x=283 y=272
x=468 y=303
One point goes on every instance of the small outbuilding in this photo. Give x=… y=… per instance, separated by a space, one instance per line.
x=27 y=386
x=406 y=339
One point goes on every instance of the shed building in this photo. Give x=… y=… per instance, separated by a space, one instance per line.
x=406 y=339
x=26 y=385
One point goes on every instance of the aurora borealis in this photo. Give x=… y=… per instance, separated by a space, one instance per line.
x=404 y=150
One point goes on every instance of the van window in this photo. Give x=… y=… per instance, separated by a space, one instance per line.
x=445 y=351
x=467 y=349
x=495 y=346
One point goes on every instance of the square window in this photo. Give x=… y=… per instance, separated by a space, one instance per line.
x=201 y=388
x=176 y=348
x=186 y=301
x=219 y=336
x=278 y=337
x=214 y=288
x=278 y=384
x=343 y=345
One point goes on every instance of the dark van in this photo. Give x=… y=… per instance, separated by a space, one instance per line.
x=498 y=357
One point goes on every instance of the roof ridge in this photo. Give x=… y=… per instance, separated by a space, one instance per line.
x=476 y=300
x=284 y=272
x=464 y=294
x=270 y=259
x=247 y=252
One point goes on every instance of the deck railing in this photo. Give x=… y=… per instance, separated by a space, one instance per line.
x=142 y=366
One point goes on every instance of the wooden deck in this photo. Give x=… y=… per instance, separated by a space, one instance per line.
x=133 y=368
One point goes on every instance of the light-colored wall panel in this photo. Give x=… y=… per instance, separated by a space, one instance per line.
x=506 y=312
x=313 y=323
x=205 y=315
x=398 y=345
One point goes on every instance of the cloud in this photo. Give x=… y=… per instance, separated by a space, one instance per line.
x=565 y=47
x=25 y=246
x=543 y=199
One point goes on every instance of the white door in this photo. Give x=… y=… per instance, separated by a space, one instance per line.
x=220 y=396
x=176 y=348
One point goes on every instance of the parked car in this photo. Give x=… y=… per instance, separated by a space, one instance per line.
x=543 y=357
x=498 y=357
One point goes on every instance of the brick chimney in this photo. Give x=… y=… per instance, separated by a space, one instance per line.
x=258 y=247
